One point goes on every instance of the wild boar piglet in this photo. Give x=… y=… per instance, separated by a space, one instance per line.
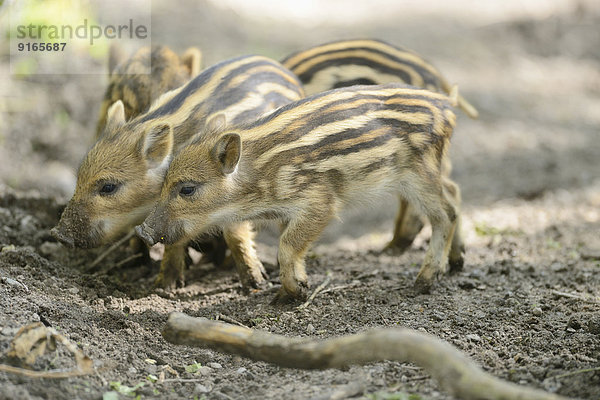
x=374 y=62
x=305 y=161
x=120 y=178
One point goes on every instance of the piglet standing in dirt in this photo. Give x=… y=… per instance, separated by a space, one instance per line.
x=120 y=178
x=374 y=62
x=303 y=162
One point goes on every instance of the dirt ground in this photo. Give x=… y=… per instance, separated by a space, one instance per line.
x=525 y=308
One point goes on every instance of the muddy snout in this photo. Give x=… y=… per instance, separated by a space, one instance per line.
x=147 y=234
x=74 y=228
x=61 y=237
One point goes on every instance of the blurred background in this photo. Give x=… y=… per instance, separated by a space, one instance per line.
x=532 y=68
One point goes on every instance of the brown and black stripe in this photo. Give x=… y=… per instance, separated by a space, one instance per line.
x=242 y=89
x=366 y=62
x=348 y=133
x=350 y=115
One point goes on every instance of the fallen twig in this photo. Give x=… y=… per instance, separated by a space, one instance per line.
x=126 y=260
x=454 y=371
x=181 y=380
x=574 y=296
x=340 y=287
x=315 y=293
x=367 y=275
x=113 y=247
x=221 y=317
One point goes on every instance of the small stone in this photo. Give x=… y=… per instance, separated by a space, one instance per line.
x=467 y=284
x=151 y=369
x=537 y=311
x=438 y=316
x=558 y=267
x=310 y=328
x=10 y=247
x=73 y=290
x=215 y=365
x=132 y=370
x=7 y=331
x=241 y=370
x=476 y=274
x=204 y=371
x=200 y=389
x=35 y=317
x=473 y=337
x=574 y=323
x=594 y=326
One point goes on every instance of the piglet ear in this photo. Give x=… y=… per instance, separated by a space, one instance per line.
x=227 y=152
x=192 y=60
x=115 y=116
x=215 y=124
x=157 y=144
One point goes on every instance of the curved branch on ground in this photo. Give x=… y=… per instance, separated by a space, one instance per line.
x=454 y=372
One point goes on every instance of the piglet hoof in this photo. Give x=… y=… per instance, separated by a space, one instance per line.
x=168 y=282
x=302 y=291
x=179 y=283
x=397 y=247
x=253 y=278
x=422 y=285
x=282 y=297
x=456 y=265
x=285 y=297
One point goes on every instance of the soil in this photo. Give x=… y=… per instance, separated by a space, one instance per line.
x=525 y=307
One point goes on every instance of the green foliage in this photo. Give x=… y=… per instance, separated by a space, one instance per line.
x=193 y=368
x=124 y=389
x=483 y=229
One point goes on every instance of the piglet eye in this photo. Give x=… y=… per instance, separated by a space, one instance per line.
x=108 y=188
x=187 y=190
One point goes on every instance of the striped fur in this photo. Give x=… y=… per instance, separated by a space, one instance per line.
x=349 y=62
x=134 y=155
x=306 y=160
x=366 y=62
x=131 y=83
